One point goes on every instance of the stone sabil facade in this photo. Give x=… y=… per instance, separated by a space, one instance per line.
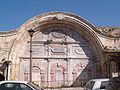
x=66 y=50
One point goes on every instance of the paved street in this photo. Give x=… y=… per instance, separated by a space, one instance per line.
x=77 y=88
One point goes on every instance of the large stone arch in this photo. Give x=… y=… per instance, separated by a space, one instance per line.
x=52 y=20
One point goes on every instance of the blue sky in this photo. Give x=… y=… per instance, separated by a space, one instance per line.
x=14 y=13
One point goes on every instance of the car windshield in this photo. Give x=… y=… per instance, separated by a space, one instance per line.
x=34 y=86
x=103 y=84
x=90 y=84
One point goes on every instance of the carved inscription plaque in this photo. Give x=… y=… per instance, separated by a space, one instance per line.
x=58 y=50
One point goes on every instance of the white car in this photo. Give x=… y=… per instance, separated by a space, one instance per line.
x=96 y=84
x=18 y=85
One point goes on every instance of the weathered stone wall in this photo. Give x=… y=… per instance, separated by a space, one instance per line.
x=109 y=36
x=6 y=41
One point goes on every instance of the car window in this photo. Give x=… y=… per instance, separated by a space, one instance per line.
x=25 y=87
x=90 y=84
x=6 y=86
x=103 y=84
x=14 y=86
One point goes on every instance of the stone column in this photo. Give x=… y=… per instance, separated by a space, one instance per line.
x=52 y=79
x=65 y=78
x=68 y=79
x=48 y=73
x=42 y=79
x=74 y=78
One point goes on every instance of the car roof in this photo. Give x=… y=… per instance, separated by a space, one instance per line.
x=14 y=82
x=101 y=79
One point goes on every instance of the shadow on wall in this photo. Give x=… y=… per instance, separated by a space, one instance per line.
x=82 y=79
x=83 y=71
x=83 y=66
